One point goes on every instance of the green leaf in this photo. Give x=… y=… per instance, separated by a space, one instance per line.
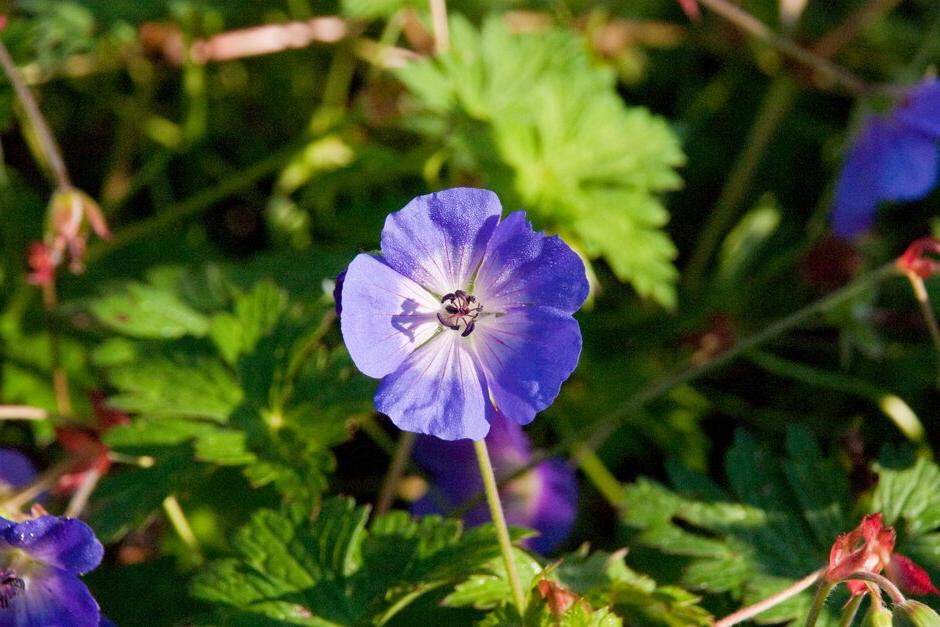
x=182 y=386
x=908 y=495
x=546 y=124
x=147 y=312
x=776 y=527
x=335 y=571
x=255 y=315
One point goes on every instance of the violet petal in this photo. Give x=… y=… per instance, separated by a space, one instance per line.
x=439 y=390
x=523 y=267
x=527 y=354
x=438 y=239
x=66 y=543
x=386 y=316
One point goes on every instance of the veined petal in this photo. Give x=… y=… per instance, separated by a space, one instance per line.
x=439 y=390
x=66 y=543
x=523 y=267
x=859 y=189
x=921 y=109
x=52 y=597
x=385 y=316
x=527 y=354
x=438 y=240
x=909 y=169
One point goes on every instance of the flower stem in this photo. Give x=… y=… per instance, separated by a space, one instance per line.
x=848 y=614
x=881 y=581
x=46 y=139
x=920 y=293
x=750 y=611
x=22 y=412
x=406 y=443
x=439 y=24
x=496 y=511
x=818 y=602
x=80 y=499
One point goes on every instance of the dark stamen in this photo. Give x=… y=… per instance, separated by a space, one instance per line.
x=10 y=586
x=460 y=312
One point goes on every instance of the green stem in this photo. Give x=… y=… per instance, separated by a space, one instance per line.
x=892 y=405
x=777 y=103
x=176 y=516
x=499 y=520
x=595 y=470
x=406 y=442
x=848 y=614
x=46 y=139
x=199 y=201
x=611 y=423
x=923 y=300
x=818 y=602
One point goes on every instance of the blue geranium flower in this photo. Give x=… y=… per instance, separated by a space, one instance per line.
x=894 y=158
x=40 y=561
x=544 y=499
x=16 y=470
x=463 y=314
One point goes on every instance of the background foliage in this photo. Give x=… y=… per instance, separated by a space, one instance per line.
x=692 y=166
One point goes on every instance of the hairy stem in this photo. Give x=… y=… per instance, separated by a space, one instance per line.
x=819 y=601
x=499 y=520
x=751 y=611
x=850 y=610
x=881 y=581
x=406 y=443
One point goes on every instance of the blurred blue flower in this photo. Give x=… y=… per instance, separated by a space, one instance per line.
x=16 y=470
x=40 y=561
x=462 y=314
x=544 y=499
x=894 y=158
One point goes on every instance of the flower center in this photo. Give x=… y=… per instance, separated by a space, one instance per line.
x=10 y=586
x=459 y=311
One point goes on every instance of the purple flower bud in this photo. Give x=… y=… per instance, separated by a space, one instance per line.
x=544 y=499
x=40 y=561
x=463 y=315
x=895 y=158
